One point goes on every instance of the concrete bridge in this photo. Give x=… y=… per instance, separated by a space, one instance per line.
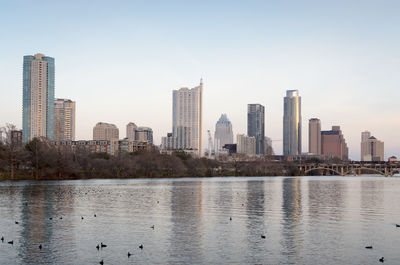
x=353 y=168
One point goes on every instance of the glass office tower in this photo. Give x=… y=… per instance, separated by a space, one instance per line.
x=292 y=123
x=256 y=125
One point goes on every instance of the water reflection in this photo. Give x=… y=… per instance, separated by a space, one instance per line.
x=186 y=218
x=255 y=221
x=292 y=215
x=305 y=220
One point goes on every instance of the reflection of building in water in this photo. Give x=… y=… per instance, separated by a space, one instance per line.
x=372 y=200
x=186 y=218
x=255 y=219
x=292 y=217
x=39 y=204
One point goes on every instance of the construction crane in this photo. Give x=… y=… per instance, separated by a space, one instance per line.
x=210 y=143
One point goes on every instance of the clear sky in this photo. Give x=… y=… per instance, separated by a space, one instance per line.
x=120 y=61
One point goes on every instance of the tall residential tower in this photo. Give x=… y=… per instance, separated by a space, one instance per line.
x=64 y=120
x=256 y=126
x=292 y=123
x=187 y=119
x=38 y=97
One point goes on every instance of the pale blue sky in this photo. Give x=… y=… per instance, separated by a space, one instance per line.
x=120 y=61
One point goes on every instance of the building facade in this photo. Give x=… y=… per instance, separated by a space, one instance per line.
x=16 y=138
x=187 y=119
x=130 y=130
x=223 y=133
x=256 y=125
x=105 y=131
x=166 y=142
x=269 y=150
x=38 y=97
x=246 y=144
x=144 y=134
x=292 y=123
x=372 y=150
x=365 y=135
x=333 y=144
x=314 y=136
x=64 y=120
x=130 y=146
x=91 y=146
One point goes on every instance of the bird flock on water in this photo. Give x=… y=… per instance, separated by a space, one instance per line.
x=141 y=247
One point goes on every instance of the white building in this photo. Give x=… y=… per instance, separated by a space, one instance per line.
x=372 y=150
x=245 y=144
x=187 y=119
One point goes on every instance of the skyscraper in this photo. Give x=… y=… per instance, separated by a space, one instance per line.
x=314 y=136
x=292 y=123
x=256 y=125
x=38 y=97
x=187 y=119
x=105 y=131
x=130 y=130
x=64 y=120
x=223 y=133
x=333 y=144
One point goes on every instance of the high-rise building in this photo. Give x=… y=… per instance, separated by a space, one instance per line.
x=187 y=119
x=365 y=135
x=64 y=120
x=223 y=133
x=130 y=130
x=292 y=123
x=372 y=149
x=333 y=144
x=256 y=125
x=166 y=142
x=38 y=97
x=314 y=136
x=269 y=150
x=246 y=144
x=16 y=138
x=105 y=131
x=144 y=134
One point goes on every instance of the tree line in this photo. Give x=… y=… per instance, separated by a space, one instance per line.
x=41 y=160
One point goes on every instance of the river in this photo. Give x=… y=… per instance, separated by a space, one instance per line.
x=305 y=220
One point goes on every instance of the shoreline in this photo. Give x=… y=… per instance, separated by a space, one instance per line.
x=177 y=177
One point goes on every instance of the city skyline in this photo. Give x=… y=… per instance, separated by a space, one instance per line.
x=331 y=60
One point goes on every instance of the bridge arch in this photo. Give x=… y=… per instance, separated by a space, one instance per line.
x=364 y=168
x=322 y=168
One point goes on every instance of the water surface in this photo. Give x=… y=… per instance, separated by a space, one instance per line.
x=306 y=220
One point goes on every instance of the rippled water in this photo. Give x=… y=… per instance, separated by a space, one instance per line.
x=307 y=220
